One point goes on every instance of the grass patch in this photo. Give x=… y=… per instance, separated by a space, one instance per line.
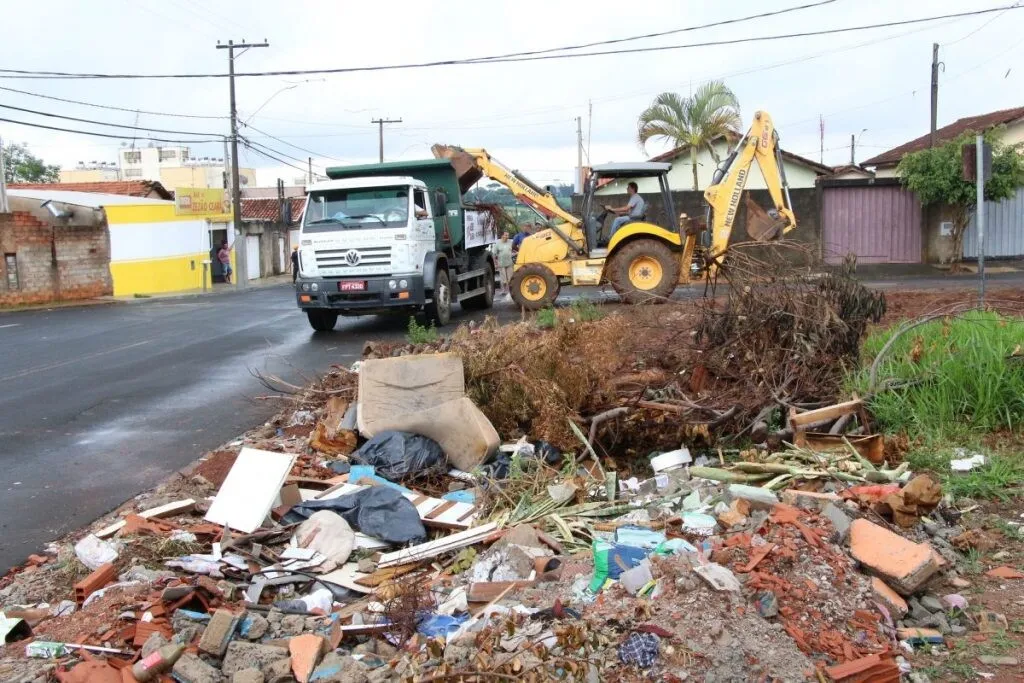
x=1000 y=477
x=948 y=379
x=420 y=334
x=546 y=318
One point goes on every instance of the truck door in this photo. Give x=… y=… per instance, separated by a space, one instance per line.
x=424 y=224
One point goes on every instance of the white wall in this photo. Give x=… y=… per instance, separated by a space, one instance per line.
x=680 y=177
x=134 y=241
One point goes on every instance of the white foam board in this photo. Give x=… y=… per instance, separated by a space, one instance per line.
x=251 y=487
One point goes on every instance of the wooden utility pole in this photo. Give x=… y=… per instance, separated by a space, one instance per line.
x=241 y=255
x=380 y=133
x=935 y=93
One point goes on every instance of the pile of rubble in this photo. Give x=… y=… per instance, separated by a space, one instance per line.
x=380 y=530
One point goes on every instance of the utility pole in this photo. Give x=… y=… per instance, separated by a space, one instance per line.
x=935 y=93
x=380 y=133
x=979 y=143
x=579 y=154
x=821 y=139
x=853 y=145
x=3 y=181
x=309 y=160
x=241 y=255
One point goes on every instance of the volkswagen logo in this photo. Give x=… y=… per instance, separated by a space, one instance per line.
x=352 y=257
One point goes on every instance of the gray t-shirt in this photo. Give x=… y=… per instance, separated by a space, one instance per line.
x=637 y=206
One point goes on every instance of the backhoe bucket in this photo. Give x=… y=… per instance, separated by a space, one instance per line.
x=464 y=164
x=762 y=226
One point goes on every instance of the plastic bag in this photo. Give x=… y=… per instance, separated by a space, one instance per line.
x=397 y=455
x=376 y=511
x=94 y=552
x=498 y=468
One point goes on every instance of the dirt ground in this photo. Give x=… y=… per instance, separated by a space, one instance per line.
x=904 y=304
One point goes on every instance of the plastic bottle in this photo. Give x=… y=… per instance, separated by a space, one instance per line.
x=149 y=668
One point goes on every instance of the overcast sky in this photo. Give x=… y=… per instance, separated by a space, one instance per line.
x=523 y=113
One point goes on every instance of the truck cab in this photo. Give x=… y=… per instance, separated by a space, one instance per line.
x=373 y=242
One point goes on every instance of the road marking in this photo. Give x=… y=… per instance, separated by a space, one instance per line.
x=11 y=325
x=77 y=359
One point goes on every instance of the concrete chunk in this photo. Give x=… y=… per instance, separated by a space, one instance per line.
x=757 y=497
x=248 y=676
x=902 y=564
x=241 y=655
x=808 y=500
x=190 y=669
x=840 y=521
x=218 y=632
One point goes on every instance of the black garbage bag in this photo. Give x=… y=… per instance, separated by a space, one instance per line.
x=376 y=511
x=499 y=467
x=397 y=455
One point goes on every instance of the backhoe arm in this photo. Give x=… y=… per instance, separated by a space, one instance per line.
x=521 y=187
x=761 y=143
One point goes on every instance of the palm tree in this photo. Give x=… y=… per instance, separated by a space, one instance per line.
x=695 y=121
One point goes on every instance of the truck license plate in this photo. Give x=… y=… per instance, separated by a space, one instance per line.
x=352 y=286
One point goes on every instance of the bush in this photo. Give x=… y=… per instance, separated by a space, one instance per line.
x=950 y=377
x=584 y=311
x=546 y=318
x=420 y=334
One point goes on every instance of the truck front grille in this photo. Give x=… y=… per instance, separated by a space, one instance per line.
x=343 y=258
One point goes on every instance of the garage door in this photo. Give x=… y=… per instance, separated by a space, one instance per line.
x=252 y=255
x=880 y=224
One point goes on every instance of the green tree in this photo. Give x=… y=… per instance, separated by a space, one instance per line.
x=695 y=121
x=21 y=166
x=936 y=175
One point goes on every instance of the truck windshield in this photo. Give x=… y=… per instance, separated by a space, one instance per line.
x=356 y=209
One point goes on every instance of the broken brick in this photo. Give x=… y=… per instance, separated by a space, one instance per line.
x=902 y=564
x=218 y=632
x=1005 y=573
x=892 y=601
x=306 y=651
x=103 y=575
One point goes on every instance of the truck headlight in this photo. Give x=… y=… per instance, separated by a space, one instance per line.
x=305 y=286
x=314 y=287
x=403 y=283
x=392 y=284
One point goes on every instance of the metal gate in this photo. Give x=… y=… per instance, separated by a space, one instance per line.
x=1004 y=229
x=878 y=223
x=252 y=255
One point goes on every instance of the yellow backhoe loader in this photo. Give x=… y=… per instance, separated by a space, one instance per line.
x=643 y=261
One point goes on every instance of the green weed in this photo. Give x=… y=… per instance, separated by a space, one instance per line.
x=546 y=318
x=949 y=378
x=972 y=561
x=420 y=334
x=585 y=311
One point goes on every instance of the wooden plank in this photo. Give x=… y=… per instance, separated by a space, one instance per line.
x=485 y=591
x=175 y=508
x=871 y=447
x=826 y=413
x=434 y=548
x=440 y=509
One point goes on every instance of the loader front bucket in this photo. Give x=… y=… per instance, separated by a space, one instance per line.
x=762 y=225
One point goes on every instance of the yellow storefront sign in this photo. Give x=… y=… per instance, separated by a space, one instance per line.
x=200 y=201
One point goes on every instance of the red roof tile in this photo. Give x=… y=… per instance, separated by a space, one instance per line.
x=266 y=209
x=129 y=188
x=978 y=123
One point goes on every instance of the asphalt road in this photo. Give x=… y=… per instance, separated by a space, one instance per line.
x=100 y=403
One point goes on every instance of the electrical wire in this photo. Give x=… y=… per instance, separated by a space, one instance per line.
x=107 y=106
x=102 y=123
x=981 y=27
x=51 y=75
x=99 y=135
x=256 y=147
x=284 y=142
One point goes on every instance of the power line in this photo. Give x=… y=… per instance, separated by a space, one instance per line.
x=99 y=135
x=102 y=123
x=257 y=147
x=271 y=156
x=303 y=149
x=982 y=26
x=519 y=57
x=107 y=106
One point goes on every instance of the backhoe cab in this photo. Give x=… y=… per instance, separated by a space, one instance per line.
x=644 y=260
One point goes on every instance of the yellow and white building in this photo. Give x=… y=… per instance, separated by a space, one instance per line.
x=156 y=246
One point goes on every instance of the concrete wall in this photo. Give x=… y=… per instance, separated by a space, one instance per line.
x=270 y=258
x=805 y=206
x=54 y=262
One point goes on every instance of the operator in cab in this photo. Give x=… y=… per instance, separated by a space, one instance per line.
x=634 y=209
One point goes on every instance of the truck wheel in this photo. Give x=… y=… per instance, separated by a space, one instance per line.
x=321 y=320
x=483 y=301
x=534 y=286
x=644 y=271
x=439 y=310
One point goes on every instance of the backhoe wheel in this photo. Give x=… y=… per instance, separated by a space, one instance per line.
x=644 y=271
x=439 y=310
x=534 y=286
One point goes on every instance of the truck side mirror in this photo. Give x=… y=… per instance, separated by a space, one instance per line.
x=440 y=202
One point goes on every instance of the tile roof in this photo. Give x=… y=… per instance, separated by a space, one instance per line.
x=266 y=209
x=814 y=165
x=978 y=123
x=129 y=188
